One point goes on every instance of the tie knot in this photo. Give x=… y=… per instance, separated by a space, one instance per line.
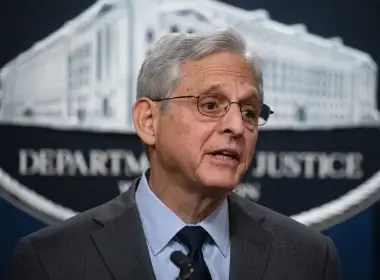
x=193 y=237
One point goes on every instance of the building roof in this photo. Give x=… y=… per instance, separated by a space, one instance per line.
x=210 y=10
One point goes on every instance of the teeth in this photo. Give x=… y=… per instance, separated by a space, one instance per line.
x=228 y=154
x=224 y=156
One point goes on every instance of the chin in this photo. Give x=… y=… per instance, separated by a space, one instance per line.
x=226 y=180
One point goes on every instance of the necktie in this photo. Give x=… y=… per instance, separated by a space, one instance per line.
x=194 y=237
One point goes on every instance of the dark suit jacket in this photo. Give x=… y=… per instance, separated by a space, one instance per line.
x=108 y=242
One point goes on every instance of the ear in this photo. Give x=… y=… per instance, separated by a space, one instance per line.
x=144 y=113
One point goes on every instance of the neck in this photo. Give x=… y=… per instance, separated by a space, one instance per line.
x=189 y=203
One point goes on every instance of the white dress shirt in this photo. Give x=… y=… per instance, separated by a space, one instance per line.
x=160 y=225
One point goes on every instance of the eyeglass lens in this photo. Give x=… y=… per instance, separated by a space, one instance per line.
x=217 y=105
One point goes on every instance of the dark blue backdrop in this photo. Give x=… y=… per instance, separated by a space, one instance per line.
x=357 y=239
x=356 y=21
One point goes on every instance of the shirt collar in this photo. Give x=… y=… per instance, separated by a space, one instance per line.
x=161 y=224
x=217 y=225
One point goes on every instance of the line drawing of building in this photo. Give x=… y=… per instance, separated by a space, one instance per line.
x=84 y=74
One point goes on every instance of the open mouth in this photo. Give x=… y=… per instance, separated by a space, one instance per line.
x=226 y=154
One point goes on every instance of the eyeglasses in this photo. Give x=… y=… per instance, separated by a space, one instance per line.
x=217 y=105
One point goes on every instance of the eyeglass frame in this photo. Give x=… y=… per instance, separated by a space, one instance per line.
x=198 y=97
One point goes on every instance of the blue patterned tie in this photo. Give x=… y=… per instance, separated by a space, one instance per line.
x=194 y=237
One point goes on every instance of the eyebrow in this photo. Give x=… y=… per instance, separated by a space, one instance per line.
x=214 y=87
x=217 y=87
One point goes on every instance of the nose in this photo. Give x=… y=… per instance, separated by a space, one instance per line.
x=232 y=122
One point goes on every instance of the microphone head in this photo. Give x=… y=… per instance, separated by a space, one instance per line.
x=180 y=259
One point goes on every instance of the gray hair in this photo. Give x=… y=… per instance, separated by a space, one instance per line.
x=160 y=71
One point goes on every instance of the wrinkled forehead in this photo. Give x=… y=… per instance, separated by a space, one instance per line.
x=241 y=91
x=228 y=75
x=230 y=86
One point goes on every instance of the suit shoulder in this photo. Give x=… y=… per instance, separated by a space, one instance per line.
x=81 y=223
x=280 y=225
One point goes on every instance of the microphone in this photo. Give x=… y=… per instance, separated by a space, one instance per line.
x=184 y=264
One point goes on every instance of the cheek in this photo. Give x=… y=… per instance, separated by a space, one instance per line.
x=193 y=139
x=180 y=136
x=191 y=131
x=185 y=135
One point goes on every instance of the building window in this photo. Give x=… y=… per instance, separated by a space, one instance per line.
x=79 y=67
x=99 y=49
x=106 y=107
x=107 y=38
x=28 y=112
x=174 y=29
x=301 y=114
x=81 y=114
x=150 y=35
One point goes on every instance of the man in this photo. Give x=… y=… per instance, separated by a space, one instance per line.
x=198 y=109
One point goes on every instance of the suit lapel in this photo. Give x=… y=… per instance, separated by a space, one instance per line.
x=121 y=241
x=250 y=242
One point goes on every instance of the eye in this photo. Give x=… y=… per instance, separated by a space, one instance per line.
x=249 y=114
x=212 y=103
x=209 y=105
